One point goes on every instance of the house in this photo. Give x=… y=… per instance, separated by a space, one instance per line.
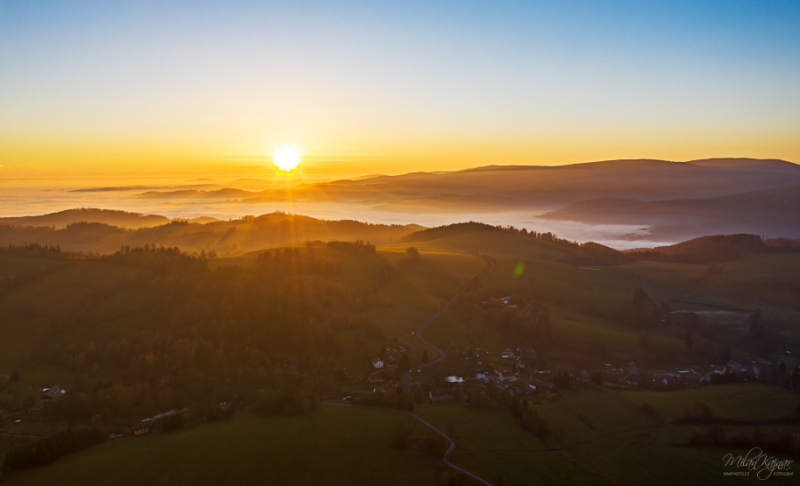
x=482 y=367
x=377 y=363
x=462 y=396
x=143 y=428
x=633 y=368
x=520 y=365
x=508 y=354
x=632 y=380
x=409 y=382
x=737 y=366
x=543 y=384
x=526 y=352
x=500 y=370
x=442 y=394
x=375 y=377
x=51 y=393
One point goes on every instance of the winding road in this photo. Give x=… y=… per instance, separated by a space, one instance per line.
x=418 y=332
x=450 y=448
x=441 y=357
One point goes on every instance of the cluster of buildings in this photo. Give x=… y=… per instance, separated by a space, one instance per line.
x=503 y=377
x=394 y=356
x=45 y=395
x=757 y=368
x=629 y=374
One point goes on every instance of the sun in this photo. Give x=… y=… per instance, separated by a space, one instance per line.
x=286 y=158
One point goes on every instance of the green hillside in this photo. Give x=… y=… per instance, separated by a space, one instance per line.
x=335 y=445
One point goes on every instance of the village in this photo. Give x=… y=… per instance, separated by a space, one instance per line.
x=518 y=373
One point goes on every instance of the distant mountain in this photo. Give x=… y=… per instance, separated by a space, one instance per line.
x=742 y=162
x=203 y=220
x=531 y=188
x=507 y=188
x=706 y=249
x=453 y=203
x=226 y=193
x=236 y=236
x=773 y=212
x=112 y=217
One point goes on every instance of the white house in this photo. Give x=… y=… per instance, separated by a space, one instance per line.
x=377 y=363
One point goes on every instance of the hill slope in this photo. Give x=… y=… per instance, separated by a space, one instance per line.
x=504 y=188
x=61 y=219
x=774 y=212
x=234 y=236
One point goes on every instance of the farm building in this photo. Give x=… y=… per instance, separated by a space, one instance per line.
x=442 y=394
x=142 y=428
x=51 y=393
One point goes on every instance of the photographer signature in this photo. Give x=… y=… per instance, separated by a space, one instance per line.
x=757 y=460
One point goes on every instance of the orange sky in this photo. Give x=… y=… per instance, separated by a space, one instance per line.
x=195 y=89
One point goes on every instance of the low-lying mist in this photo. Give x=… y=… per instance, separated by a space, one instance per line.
x=44 y=200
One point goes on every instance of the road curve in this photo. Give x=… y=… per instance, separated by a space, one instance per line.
x=418 y=333
x=450 y=448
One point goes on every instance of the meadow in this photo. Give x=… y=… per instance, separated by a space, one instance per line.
x=334 y=445
x=743 y=401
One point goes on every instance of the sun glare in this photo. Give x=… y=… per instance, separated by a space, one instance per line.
x=286 y=158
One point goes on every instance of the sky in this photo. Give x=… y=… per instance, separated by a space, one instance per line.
x=185 y=89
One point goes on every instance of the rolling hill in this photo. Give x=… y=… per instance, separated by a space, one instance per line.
x=226 y=237
x=505 y=188
x=772 y=212
x=62 y=219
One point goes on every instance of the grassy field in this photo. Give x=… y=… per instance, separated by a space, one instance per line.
x=492 y=444
x=624 y=340
x=335 y=445
x=744 y=401
x=623 y=445
x=649 y=457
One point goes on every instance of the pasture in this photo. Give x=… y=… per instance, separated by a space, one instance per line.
x=334 y=445
x=491 y=443
x=743 y=401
